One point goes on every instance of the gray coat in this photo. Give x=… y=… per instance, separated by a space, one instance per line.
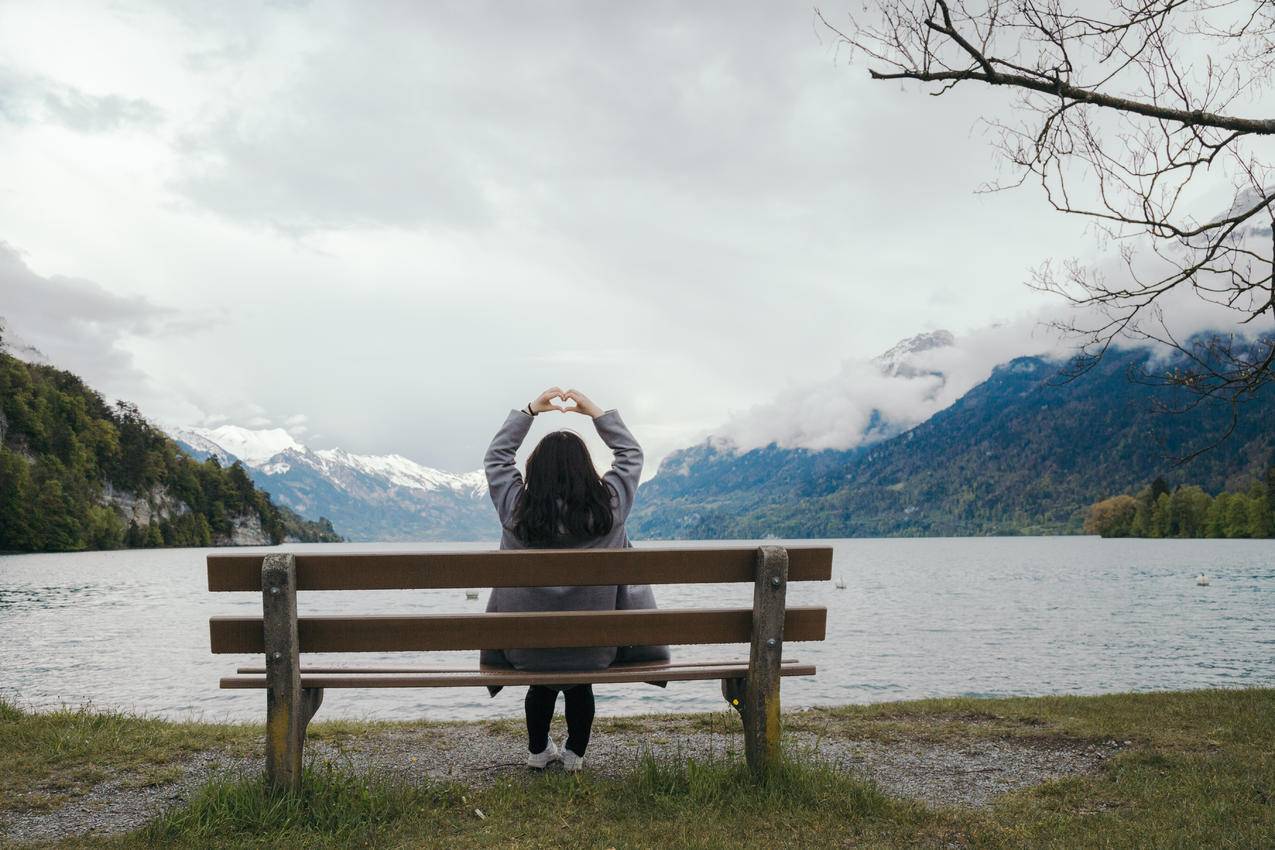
x=505 y=485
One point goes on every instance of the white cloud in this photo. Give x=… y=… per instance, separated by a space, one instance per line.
x=80 y=326
x=405 y=219
x=843 y=411
x=862 y=403
x=33 y=99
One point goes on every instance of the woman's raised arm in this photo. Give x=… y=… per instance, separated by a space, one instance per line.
x=504 y=482
x=626 y=465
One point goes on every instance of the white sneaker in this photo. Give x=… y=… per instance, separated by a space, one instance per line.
x=541 y=760
x=570 y=761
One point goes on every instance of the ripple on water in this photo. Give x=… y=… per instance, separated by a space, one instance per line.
x=919 y=618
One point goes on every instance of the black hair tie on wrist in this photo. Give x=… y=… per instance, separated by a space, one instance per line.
x=530 y=412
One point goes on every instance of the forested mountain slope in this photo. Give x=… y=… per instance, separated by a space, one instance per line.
x=1020 y=453
x=77 y=473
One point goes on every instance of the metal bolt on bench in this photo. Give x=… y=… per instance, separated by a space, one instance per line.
x=294 y=694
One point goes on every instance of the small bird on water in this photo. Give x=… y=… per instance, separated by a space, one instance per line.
x=1202 y=580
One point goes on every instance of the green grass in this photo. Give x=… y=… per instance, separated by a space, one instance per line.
x=1188 y=720
x=682 y=803
x=1198 y=771
x=47 y=758
x=334 y=808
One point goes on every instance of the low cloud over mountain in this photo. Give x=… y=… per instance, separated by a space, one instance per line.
x=871 y=400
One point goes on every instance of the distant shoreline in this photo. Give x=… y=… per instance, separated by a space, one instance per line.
x=281 y=547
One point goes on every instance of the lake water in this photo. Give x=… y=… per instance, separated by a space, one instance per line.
x=918 y=618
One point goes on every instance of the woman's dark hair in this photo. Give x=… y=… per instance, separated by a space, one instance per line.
x=563 y=500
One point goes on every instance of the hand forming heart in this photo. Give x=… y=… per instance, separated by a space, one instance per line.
x=574 y=402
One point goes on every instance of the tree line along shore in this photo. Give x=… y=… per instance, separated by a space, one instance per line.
x=1187 y=511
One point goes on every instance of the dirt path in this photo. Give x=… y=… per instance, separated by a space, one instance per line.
x=970 y=773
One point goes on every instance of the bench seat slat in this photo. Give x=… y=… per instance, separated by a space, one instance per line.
x=515 y=568
x=530 y=630
x=481 y=678
x=411 y=669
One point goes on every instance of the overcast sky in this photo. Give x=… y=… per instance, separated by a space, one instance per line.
x=383 y=225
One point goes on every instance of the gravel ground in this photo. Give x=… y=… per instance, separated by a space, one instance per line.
x=114 y=805
x=972 y=773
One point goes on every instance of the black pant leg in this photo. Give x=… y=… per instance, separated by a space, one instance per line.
x=539 y=705
x=580 y=709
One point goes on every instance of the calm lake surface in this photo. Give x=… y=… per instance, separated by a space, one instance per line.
x=918 y=618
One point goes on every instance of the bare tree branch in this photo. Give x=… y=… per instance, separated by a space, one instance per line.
x=1128 y=110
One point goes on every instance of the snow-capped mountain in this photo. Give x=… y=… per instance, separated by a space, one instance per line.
x=407 y=473
x=231 y=442
x=900 y=361
x=865 y=402
x=367 y=497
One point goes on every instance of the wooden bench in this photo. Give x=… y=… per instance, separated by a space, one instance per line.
x=294 y=693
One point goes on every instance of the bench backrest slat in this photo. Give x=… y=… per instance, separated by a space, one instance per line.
x=515 y=568
x=516 y=630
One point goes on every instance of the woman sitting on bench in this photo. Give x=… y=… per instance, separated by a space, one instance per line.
x=564 y=504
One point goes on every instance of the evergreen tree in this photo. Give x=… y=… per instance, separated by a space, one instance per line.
x=1237 y=516
x=56 y=530
x=134 y=538
x=104 y=529
x=1259 y=524
x=1143 y=510
x=203 y=531
x=1269 y=481
x=1215 y=522
x=15 y=500
x=1162 y=516
x=1188 y=510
